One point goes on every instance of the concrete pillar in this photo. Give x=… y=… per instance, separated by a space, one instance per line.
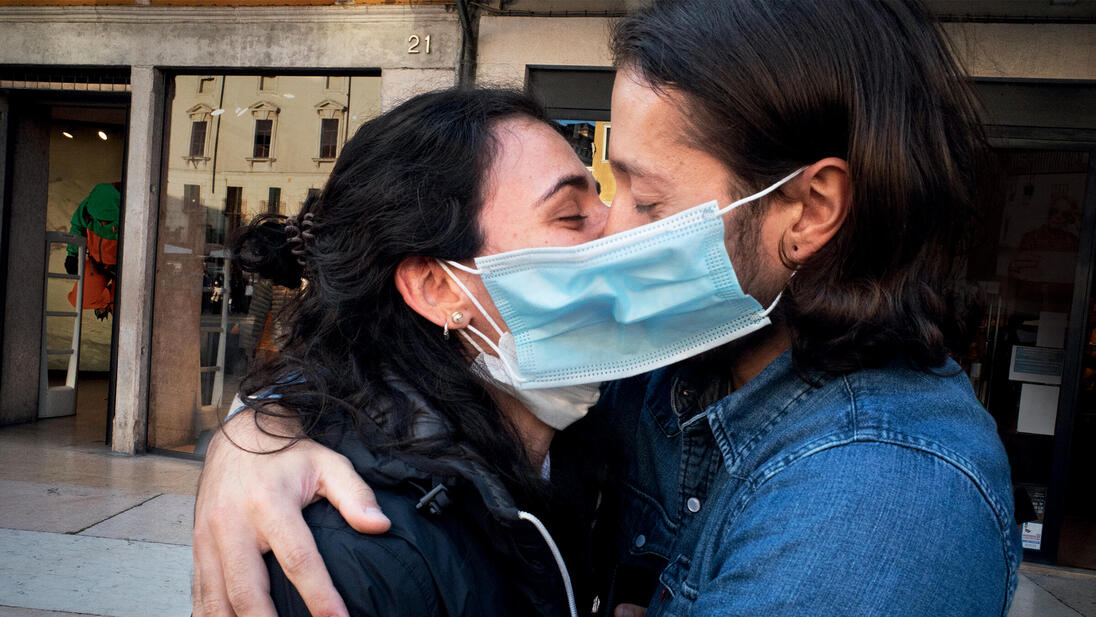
x=23 y=320
x=142 y=202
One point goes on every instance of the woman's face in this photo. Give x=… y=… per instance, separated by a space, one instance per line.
x=537 y=193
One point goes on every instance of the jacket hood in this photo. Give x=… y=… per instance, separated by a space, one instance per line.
x=103 y=203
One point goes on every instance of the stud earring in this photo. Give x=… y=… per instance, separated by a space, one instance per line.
x=457 y=316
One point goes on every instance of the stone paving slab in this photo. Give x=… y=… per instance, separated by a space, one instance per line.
x=11 y=611
x=62 y=508
x=167 y=518
x=1032 y=600
x=1073 y=588
x=97 y=576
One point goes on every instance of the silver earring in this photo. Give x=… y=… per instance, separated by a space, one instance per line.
x=458 y=316
x=445 y=331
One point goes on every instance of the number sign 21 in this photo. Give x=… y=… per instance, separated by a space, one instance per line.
x=414 y=42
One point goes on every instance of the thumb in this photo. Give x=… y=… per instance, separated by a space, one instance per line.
x=351 y=496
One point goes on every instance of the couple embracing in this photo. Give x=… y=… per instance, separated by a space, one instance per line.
x=729 y=393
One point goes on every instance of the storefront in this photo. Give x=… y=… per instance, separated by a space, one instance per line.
x=208 y=119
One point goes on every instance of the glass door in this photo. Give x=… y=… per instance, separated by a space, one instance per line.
x=1022 y=272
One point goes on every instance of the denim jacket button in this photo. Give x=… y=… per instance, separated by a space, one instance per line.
x=693 y=504
x=640 y=540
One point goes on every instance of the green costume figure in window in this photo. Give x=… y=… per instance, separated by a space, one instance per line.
x=96 y=218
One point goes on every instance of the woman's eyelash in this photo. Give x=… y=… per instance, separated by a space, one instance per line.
x=645 y=208
x=577 y=217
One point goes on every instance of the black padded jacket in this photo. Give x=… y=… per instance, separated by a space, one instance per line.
x=459 y=546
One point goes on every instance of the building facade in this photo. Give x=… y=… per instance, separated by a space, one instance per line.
x=209 y=115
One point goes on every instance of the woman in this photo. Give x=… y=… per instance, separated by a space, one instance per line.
x=378 y=363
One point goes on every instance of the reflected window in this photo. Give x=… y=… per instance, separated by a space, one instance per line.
x=264 y=131
x=212 y=320
x=268 y=84
x=274 y=200
x=329 y=137
x=198 y=138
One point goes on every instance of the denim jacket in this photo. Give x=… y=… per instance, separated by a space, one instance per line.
x=881 y=492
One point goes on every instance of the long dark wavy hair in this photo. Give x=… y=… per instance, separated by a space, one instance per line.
x=409 y=183
x=773 y=85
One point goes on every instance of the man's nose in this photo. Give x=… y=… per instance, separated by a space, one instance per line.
x=618 y=219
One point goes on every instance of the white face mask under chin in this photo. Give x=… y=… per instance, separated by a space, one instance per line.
x=557 y=407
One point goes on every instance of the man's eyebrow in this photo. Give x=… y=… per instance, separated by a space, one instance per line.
x=632 y=169
x=579 y=181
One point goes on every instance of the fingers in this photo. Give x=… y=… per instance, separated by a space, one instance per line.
x=294 y=547
x=351 y=496
x=629 y=610
x=208 y=594
x=244 y=580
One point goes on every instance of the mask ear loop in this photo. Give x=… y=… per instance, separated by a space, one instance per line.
x=514 y=373
x=467 y=293
x=761 y=194
x=772 y=306
x=486 y=339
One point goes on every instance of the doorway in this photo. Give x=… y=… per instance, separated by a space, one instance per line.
x=65 y=176
x=86 y=162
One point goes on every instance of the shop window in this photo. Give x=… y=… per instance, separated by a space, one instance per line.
x=1022 y=277
x=578 y=99
x=211 y=320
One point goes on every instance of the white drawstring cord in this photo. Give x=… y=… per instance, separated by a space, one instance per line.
x=525 y=516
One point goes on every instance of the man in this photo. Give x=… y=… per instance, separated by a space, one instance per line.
x=834 y=463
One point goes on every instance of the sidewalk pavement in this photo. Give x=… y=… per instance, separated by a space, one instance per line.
x=87 y=532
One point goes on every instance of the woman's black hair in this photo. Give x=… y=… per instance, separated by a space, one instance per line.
x=772 y=85
x=409 y=183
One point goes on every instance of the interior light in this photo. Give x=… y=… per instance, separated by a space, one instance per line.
x=67 y=134
x=216 y=112
x=102 y=135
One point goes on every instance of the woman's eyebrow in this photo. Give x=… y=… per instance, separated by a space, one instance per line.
x=579 y=181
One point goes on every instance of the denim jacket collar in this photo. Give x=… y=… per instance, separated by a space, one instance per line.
x=739 y=420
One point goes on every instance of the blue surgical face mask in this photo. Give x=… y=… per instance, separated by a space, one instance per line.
x=625 y=304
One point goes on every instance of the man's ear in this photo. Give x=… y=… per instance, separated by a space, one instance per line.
x=428 y=290
x=823 y=207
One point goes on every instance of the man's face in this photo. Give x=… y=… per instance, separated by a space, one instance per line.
x=660 y=172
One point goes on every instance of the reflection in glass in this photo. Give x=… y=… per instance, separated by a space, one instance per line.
x=1022 y=272
x=238 y=146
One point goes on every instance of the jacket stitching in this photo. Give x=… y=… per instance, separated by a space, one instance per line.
x=892 y=438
